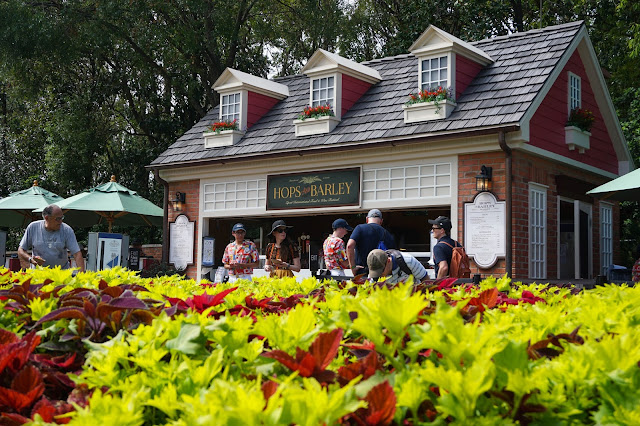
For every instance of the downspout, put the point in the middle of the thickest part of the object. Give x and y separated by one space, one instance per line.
509 199
165 219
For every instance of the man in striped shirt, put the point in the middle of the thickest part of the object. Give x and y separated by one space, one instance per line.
395 265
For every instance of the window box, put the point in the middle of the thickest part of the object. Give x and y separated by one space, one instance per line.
426 111
316 126
577 138
224 138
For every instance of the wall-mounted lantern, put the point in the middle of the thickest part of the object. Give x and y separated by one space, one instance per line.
178 202
483 180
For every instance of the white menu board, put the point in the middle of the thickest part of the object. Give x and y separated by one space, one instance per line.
181 234
485 229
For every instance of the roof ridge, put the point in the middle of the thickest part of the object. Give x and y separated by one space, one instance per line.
529 32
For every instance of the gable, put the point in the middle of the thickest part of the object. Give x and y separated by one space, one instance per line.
548 114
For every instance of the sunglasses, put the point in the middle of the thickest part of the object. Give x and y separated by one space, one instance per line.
436 227
240 231
58 219
281 230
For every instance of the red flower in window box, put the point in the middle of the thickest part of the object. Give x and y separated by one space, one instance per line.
315 112
581 118
219 126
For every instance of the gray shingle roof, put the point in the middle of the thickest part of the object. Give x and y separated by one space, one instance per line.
499 95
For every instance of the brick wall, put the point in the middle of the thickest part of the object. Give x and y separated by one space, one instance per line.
191 189
527 168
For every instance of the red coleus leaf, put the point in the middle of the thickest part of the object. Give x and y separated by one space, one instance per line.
365 367
63 361
381 405
10 419
485 300
16 354
252 303
26 387
7 337
268 389
204 301
313 363
45 409
325 348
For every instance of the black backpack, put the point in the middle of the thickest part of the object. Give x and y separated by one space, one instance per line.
397 254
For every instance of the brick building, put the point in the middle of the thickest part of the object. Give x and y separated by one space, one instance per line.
512 99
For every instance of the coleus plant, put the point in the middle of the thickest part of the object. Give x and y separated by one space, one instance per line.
32 385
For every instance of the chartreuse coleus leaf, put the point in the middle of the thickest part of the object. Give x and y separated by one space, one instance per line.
387 313
459 344
460 389
289 330
41 307
106 409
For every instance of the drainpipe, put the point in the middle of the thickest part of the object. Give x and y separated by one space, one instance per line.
509 199
165 219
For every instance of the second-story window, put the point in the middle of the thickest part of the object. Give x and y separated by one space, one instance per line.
322 91
575 92
434 73
230 107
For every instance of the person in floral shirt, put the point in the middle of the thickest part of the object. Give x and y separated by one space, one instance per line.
240 256
335 254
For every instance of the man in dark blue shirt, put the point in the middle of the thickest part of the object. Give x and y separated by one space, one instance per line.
442 252
366 237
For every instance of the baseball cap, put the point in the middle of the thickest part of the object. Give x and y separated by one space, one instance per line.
442 221
376 261
237 227
374 213
341 223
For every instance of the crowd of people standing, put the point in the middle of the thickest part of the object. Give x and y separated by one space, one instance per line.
370 251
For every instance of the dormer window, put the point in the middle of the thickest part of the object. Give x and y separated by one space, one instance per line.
230 107
434 73
575 92
322 92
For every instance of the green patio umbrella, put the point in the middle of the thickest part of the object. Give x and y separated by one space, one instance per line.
624 188
111 203
16 210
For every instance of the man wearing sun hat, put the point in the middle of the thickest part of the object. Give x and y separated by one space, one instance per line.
366 237
335 255
240 256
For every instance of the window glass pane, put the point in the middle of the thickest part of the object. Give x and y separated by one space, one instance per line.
316 84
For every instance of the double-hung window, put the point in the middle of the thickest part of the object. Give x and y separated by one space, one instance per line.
537 231
230 107
606 237
322 92
575 92
434 73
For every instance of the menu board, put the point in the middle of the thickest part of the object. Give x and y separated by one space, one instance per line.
181 237
485 229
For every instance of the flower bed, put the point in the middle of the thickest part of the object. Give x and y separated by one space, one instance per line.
275 351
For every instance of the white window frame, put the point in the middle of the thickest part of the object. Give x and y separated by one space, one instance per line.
449 71
231 100
575 91
326 99
537 231
606 237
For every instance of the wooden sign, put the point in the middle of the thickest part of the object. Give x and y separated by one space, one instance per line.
181 234
327 188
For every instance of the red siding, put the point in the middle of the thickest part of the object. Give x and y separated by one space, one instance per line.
258 106
352 89
466 70
548 122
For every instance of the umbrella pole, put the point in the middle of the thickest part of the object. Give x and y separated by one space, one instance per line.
110 221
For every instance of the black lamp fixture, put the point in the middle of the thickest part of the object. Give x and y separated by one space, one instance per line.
483 180
178 202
